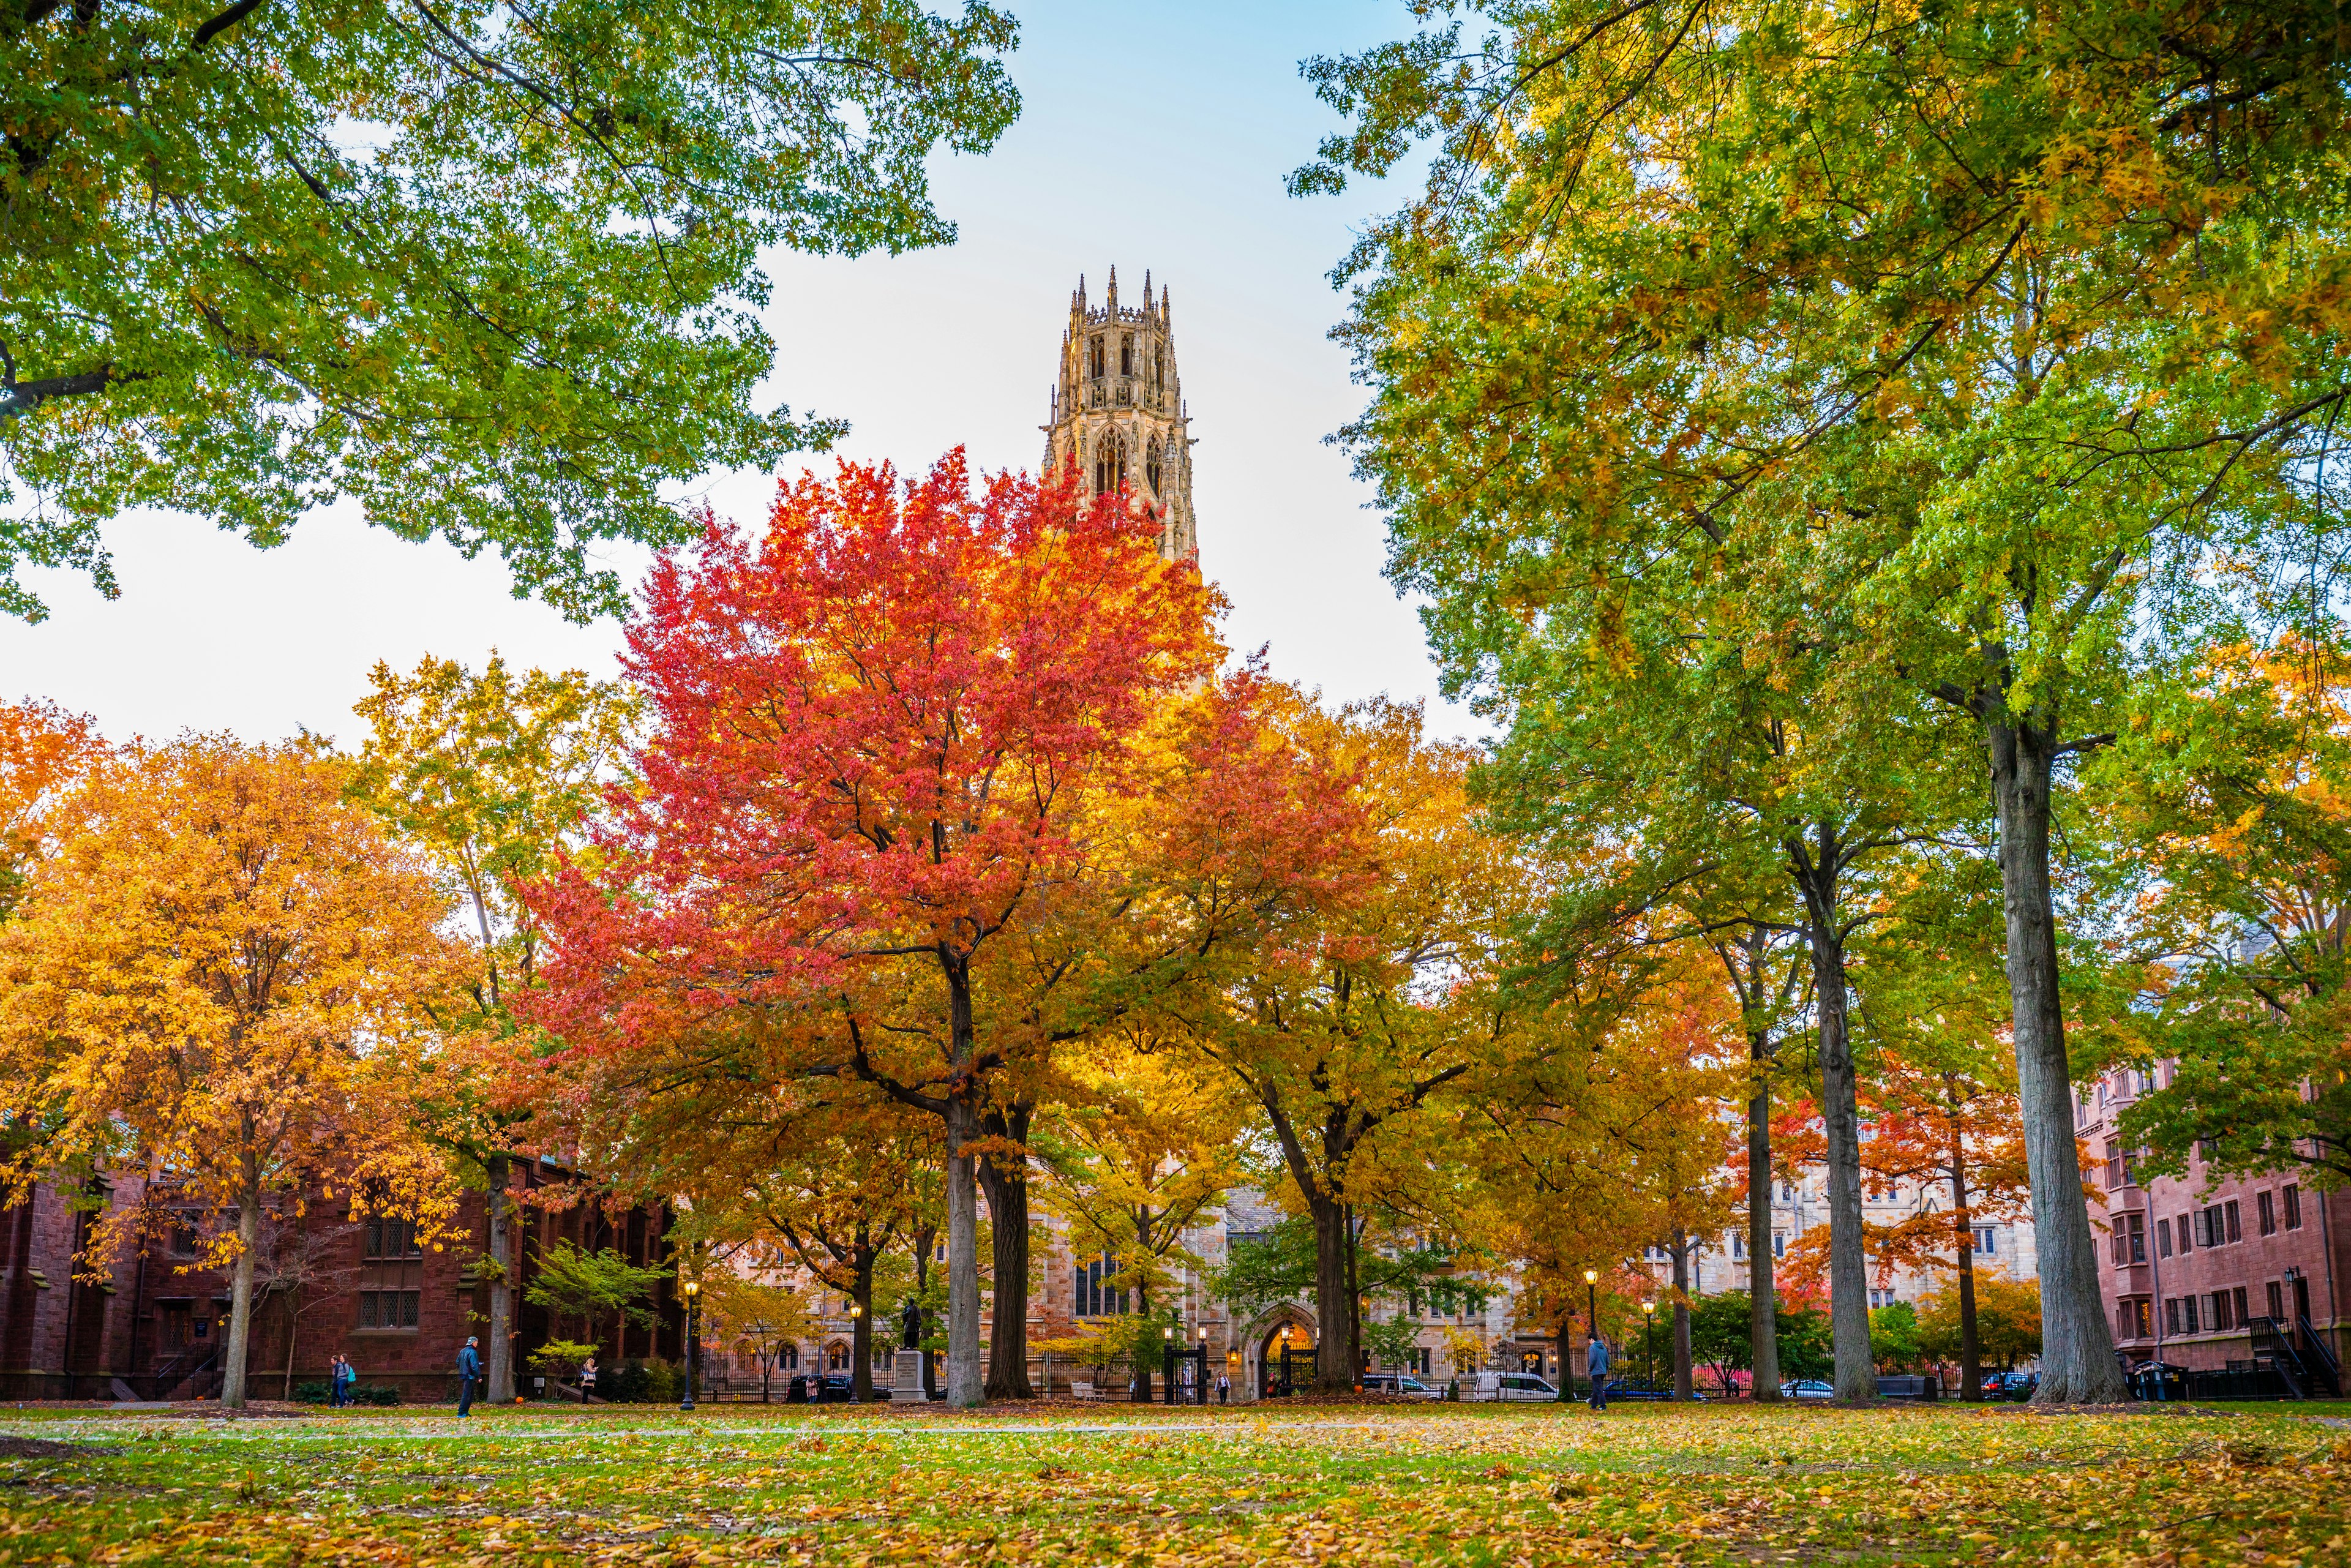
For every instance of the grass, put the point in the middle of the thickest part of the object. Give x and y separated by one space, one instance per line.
2262 1485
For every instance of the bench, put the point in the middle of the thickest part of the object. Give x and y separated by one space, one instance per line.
1084 1392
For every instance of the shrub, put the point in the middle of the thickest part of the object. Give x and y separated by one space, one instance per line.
311 1392
642 1383
375 1394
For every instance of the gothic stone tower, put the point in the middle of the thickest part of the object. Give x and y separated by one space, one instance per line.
1118 409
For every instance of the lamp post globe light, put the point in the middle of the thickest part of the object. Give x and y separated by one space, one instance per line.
1649 1342
693 1289
856 1361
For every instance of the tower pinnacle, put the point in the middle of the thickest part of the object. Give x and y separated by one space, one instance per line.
1117 409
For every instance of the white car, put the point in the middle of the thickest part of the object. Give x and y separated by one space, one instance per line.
1807 1389
1402 1382
1512 1386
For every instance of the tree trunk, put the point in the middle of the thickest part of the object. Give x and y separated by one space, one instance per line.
240 1307
1762 1324
1334 1349
1354 1303
965 1387
1006 1177
2077 1350
1683 1388
1970 1351
499 1366
860 1323
1816 878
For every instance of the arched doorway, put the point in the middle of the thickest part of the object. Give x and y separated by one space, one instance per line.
1279 1348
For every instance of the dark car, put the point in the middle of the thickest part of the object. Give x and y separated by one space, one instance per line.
831 1388
2012 1384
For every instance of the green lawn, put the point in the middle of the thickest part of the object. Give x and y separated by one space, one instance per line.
2264 1485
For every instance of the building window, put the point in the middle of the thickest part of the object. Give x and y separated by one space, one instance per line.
2114 1157
2171 1316
181 1240
2276 1294
2188 1312
1779 1244
2145 1310
2235 1232
2130 1239
2222 1319
2163 1238
1095 1300
1987 1240
2265 1210
2236 1300
1418 1360
1737 1245
1094 357
788 1358
2293 1207
392 1270
2182 1227
836 1356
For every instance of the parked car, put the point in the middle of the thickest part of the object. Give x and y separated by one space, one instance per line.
1403 1383
1510 1386
2012 1384
833 1388
1806 1388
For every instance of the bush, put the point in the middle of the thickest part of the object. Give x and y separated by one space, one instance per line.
311 1392
375 1394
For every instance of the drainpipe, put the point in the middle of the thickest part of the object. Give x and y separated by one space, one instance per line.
2326 1257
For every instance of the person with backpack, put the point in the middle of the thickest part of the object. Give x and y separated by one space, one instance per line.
347 1378
1596 1362
469 1372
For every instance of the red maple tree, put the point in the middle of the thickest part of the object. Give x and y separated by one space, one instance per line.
878 733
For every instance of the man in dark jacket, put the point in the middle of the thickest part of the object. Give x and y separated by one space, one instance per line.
469 1371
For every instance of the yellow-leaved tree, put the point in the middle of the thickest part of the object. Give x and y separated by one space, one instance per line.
215 979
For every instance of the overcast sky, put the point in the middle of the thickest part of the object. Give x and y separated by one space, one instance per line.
1154 135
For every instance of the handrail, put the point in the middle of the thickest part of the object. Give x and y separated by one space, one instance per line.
2326 1357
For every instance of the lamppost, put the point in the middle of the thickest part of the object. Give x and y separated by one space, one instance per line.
1591 1311
693 1289
1168 1359
1203 1389
1650 1343
855 1359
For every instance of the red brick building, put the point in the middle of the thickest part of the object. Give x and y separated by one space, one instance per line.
155 1326
2210 1272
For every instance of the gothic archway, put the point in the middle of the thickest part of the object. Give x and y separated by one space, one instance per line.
1263 1335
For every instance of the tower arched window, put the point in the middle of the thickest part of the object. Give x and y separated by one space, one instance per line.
1094 356
1109 462
1159 369
1126 354
1151 466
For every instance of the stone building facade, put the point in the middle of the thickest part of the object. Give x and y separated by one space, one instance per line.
1117 412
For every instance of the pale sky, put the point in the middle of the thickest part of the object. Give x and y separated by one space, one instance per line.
1152 135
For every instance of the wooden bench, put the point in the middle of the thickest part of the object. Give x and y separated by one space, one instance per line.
1084 1392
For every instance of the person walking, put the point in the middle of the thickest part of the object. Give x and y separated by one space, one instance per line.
335 1383
1595 1363
587 1380
347 1378
469 1372
1224 1389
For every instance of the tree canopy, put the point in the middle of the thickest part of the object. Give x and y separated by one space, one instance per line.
490 271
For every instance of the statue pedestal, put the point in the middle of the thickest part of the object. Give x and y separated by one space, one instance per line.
907 1376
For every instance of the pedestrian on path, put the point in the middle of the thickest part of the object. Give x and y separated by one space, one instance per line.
469 1371
1596 1362
587 1380
346 1377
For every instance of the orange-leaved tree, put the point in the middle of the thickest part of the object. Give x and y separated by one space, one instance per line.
213 979
874 730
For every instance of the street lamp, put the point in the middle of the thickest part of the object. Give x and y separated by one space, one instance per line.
1649 1342
1592 1317
693 1289
856 1360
